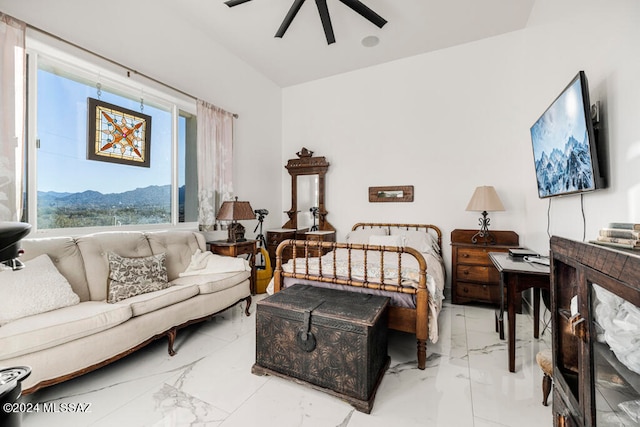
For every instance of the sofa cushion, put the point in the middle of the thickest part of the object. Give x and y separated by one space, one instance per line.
37 288
129 277
94 249
178 245
210 283
153 301
56 327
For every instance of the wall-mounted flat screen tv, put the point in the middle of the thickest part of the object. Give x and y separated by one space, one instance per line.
564 144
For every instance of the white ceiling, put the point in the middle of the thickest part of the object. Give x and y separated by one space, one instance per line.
414 27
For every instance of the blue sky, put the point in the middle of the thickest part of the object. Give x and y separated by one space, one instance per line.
62 130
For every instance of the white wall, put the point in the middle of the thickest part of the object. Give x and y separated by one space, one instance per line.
143 36
444 122
451 120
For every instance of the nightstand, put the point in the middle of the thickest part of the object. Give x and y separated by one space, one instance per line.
474 277
234 249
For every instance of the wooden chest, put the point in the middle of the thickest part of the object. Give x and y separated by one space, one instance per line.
331 340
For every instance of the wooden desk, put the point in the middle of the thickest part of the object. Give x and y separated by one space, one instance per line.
234 249
518 275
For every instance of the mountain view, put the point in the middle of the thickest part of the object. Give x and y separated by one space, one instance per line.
149 205
565 171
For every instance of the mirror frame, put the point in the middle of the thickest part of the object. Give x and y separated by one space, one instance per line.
306 164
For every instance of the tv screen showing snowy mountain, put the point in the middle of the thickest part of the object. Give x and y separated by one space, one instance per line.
562 143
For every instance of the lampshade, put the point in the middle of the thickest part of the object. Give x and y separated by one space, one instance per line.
233 210
485 199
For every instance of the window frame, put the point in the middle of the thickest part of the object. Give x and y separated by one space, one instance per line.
83 65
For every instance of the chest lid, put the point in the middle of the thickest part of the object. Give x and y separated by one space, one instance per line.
331 303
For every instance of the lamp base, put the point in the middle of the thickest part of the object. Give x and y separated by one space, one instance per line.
484 236
236 233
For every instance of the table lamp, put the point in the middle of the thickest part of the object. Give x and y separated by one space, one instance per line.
233 210
484 199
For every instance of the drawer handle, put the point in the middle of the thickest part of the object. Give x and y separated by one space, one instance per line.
466 272
465 290
465 255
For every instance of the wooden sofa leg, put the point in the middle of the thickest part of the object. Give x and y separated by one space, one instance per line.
246 310
422 354
546 388
171 335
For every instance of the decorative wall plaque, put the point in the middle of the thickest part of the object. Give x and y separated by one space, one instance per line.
402 193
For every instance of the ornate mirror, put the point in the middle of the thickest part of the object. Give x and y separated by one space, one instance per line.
307 192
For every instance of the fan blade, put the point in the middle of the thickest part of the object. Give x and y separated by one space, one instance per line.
323 10
232 3
366 13
295 7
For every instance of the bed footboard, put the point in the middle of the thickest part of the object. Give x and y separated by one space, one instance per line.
309 264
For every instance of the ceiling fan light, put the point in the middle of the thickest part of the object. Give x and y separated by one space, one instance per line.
370 41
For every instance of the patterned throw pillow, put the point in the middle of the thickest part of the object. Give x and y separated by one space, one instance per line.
129 277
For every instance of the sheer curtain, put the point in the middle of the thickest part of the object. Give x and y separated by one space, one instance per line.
215 161
12 113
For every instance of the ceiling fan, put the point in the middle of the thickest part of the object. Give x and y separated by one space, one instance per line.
323 11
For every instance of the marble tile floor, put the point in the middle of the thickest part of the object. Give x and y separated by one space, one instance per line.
209 382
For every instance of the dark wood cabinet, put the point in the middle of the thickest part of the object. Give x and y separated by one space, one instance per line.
474 277
275 237
320 236
595 300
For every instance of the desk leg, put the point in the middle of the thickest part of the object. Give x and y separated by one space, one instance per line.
536 312
511 306
500 314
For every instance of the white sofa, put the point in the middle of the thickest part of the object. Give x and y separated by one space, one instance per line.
66 342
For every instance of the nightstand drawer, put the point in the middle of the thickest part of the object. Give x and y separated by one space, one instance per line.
478 256
477 292
478 273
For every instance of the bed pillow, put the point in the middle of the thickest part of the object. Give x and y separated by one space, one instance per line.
361 236
386 240
422 241
37 288
129 277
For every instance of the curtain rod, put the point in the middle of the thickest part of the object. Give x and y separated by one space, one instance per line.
111 61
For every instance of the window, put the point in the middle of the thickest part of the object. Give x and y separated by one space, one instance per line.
72 191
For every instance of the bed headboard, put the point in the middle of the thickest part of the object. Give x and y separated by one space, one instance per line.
429 228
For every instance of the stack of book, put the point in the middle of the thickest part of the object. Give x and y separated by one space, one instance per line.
621 235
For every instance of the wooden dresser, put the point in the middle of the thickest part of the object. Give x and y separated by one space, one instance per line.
474 277
276 236
320 236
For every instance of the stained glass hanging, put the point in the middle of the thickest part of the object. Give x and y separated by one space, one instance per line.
118 134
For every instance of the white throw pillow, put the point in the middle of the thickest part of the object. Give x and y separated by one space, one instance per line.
37 288
386 240
361 236
419 240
